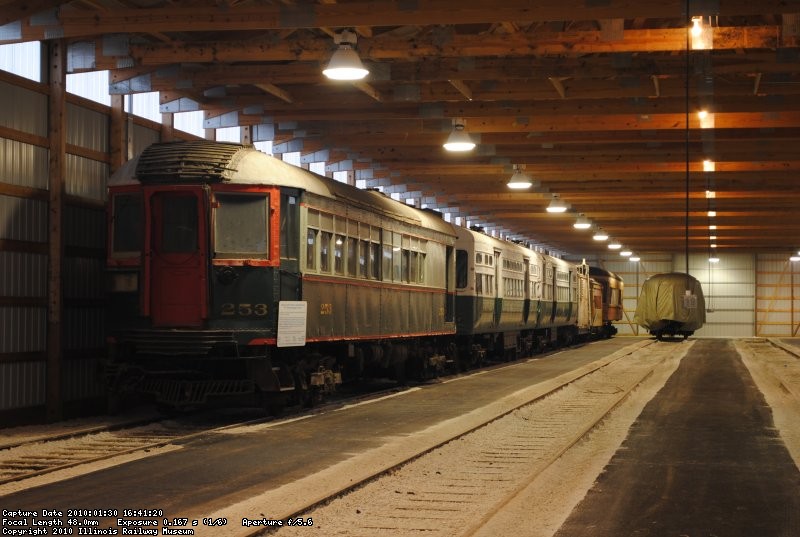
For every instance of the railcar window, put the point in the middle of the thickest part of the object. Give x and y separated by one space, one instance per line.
462 268
311 249
363 259
374 260
352 257
478 259
338 255
289 230
411 259
325 251
397 263
127 223
387 262
479 284
423 258
240 225
179 233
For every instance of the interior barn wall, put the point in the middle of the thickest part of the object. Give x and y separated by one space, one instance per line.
24 247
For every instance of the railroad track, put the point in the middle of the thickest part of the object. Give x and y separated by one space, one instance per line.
430 494
780 360
61 450
25 460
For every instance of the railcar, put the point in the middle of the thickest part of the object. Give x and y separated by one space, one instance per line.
225 263
232 273
671 304
610 299
512 300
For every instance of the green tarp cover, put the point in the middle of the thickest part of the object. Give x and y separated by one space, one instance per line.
662 299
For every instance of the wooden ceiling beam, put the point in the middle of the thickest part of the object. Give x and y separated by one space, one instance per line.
76 23
567 45
481 69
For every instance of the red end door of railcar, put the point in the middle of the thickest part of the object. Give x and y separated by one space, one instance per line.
178 253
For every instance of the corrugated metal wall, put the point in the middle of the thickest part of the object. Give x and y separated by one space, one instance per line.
23 256
24 249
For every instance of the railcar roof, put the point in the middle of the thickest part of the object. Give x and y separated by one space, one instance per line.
201 162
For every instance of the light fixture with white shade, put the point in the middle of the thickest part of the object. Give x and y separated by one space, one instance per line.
459 139
600 235
713 259
634 259
582 223
614 245
520 180
795 258
626 253
345 63
556 205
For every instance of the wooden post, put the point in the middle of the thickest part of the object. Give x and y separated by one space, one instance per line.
118 139
57 109
246 136
167 127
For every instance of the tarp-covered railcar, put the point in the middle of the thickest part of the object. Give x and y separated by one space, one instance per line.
671 304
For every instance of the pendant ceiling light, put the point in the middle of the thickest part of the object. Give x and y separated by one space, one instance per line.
556 205
582 223
600 235
459 139
345 63
520 180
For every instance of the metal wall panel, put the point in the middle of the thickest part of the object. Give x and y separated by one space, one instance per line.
84 328
83 379
85 227
87 128
83 277
729 290
86 178
142 137
29 110
23 274
23 164
22 384
23 329
23 219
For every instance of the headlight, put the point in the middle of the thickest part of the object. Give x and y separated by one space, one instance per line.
124 282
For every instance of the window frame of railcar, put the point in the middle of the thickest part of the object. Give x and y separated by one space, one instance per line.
135 221
562 286
549 283
289 227
462 268
235 233
272 259
312 239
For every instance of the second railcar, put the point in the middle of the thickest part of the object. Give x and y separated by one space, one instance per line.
612 288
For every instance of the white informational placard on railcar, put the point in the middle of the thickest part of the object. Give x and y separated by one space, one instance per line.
292 323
